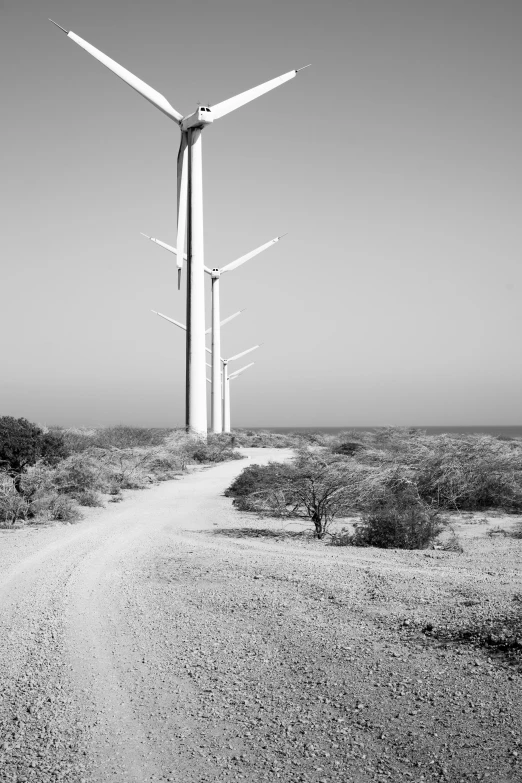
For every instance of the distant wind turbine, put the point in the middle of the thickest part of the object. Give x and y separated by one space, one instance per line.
215 274
190 212
226 386
226 395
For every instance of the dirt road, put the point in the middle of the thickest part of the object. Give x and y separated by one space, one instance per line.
167 638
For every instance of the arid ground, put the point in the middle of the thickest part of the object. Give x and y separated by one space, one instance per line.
169 637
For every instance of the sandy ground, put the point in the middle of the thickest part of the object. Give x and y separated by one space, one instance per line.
169 637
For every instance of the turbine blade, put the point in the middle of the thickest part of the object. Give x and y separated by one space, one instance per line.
206 269
238 372
230 318
182 196
153 96
225 321
243 353
163 244
220 109
172 321
248 256
208 380
207 349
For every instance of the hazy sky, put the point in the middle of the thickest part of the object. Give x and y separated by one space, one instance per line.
393 162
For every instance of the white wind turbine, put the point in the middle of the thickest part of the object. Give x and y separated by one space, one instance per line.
226 395
226 378
215 274
190 212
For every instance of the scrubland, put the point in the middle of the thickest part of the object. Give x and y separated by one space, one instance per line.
48 474
399 487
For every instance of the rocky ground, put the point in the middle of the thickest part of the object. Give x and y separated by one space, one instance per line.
171 638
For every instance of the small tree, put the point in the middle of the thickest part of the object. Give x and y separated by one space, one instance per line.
23 444
320 487
315 486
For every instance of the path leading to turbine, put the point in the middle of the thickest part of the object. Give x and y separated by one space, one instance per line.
75 648
168 638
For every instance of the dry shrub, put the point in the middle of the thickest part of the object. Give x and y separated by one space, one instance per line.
55 507
264 439
13 506
470 473
89 498
77 439
164 464
398 521
217 448
124 437
81 473
453 544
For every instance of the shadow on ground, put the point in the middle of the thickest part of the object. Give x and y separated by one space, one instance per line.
263 532
500 636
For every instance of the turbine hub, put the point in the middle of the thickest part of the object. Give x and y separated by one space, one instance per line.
215 275
201 117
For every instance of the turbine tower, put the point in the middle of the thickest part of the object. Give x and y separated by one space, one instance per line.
190 214
215 274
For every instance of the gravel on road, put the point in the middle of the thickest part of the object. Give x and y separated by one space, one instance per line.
171 638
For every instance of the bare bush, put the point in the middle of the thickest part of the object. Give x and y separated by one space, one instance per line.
125 437
471 473
217 448
13 506
398 519
55 507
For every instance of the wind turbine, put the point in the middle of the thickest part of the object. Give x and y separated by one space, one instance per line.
215 274
226 385
226 395
190 213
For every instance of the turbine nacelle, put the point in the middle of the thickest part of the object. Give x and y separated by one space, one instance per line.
215 274
201 117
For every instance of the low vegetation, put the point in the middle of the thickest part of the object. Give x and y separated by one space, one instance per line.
48 474
400 483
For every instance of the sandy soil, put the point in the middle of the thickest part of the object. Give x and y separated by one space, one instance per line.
169 637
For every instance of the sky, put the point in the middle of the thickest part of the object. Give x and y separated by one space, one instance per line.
393 163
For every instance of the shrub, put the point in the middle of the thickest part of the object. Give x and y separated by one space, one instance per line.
217 448
76 439
471 473
63 509
254 481
23 444
13 506
348 448
398 519
453 543
81 473
124 437
89 498
164 464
